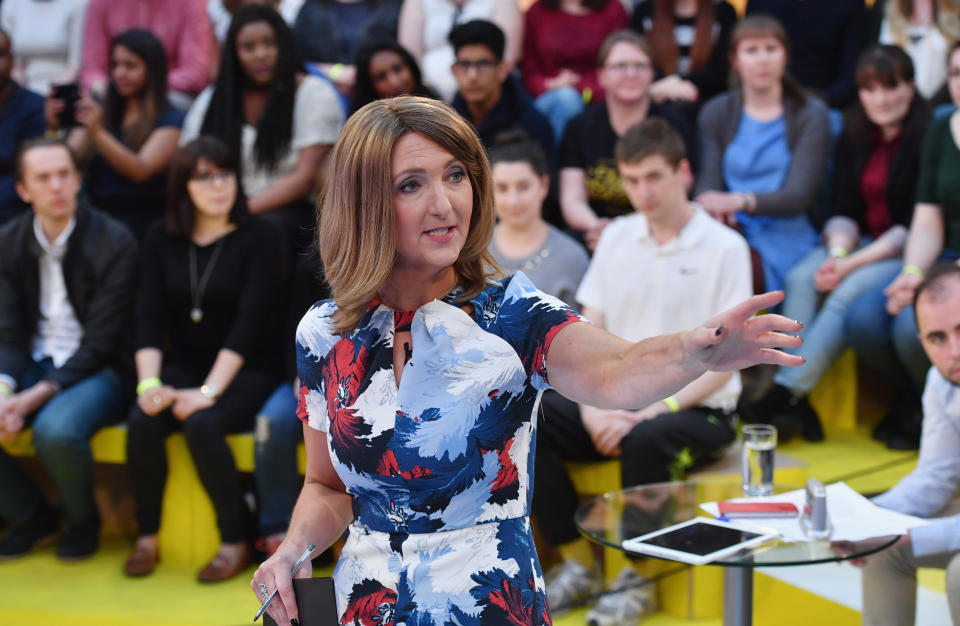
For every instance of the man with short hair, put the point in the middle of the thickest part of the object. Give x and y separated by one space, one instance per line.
653 272
67 286
890 577
487 96
21 117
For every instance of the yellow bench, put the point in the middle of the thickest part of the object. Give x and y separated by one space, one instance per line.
188 529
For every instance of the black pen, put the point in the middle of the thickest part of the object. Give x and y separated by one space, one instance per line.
293 570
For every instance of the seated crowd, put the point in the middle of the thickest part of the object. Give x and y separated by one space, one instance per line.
157 246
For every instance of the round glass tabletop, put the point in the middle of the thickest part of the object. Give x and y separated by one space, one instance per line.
615 516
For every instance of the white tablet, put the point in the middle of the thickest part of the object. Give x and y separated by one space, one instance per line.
698 541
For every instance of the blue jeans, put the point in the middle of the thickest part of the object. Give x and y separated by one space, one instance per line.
277 433
559 106
62 429
823 335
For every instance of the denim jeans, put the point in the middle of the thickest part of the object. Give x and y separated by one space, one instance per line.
62 429
823 335
277 433
559 106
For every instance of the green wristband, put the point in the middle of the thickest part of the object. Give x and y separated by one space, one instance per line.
912 270
147 384
672 404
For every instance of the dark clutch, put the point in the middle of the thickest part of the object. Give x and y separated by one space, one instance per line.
316 603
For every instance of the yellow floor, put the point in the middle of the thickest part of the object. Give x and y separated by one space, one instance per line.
39 590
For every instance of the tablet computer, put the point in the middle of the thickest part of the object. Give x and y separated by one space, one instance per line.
698 541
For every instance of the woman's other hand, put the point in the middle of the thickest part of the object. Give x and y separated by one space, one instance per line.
189 401
157 399
274 573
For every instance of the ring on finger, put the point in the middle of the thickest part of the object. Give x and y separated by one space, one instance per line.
263 591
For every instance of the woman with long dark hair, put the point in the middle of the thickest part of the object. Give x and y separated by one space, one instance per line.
130 139
280 120
874 192
764 145
206 355
386 69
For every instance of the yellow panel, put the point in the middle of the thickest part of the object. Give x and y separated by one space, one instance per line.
776 602
835 396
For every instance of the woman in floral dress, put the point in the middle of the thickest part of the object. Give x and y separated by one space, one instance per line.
420 381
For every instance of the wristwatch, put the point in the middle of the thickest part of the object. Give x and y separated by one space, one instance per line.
209 391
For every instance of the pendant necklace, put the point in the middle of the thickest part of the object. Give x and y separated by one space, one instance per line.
196 290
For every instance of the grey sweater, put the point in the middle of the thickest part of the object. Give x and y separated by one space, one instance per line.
808 135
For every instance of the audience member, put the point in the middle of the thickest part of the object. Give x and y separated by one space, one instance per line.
182 26
48 40
890 577
67 286
425 26
21 117
561 39
590 189
330 32
280 120
690 41
692 267
385 70
206 356
487 96
221 13
130 140
826 37
925 29
764 145
880 325
278 430
874 190
522 240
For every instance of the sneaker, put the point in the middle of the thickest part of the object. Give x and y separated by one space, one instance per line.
39 530
789 412
569 584
630 598
79 542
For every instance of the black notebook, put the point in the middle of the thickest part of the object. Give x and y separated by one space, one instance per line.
316 603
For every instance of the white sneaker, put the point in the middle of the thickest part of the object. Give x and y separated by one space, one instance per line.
630 598
568 584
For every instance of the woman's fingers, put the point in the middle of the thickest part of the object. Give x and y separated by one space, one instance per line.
772 322
773 356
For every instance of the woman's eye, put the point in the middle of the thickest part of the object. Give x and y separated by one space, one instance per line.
457 175
408 186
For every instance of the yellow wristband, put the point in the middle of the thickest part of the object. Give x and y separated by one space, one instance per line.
6 390
586 95
838 252
147 384
912 270
672 404
335 70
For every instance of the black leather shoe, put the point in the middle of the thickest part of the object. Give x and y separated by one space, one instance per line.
797 414
79 542
40 529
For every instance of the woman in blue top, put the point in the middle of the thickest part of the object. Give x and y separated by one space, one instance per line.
130 139
421 377
764 145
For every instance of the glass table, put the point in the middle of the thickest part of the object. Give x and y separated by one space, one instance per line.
615 516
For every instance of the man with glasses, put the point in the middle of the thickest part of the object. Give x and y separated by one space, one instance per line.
67 285
487 96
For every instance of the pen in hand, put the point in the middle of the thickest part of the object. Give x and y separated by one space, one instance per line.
293 570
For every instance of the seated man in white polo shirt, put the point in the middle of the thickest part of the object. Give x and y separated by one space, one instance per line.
890 577
656 271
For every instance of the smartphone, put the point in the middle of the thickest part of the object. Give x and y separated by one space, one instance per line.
70 94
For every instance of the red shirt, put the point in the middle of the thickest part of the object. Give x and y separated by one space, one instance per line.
873 186
554 40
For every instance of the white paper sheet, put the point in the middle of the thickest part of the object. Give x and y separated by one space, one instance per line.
854 518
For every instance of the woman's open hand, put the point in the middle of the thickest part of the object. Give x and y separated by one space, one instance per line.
738 338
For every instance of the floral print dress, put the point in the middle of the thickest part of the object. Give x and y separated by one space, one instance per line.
440 468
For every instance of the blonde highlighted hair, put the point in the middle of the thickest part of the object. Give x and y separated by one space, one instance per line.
356 225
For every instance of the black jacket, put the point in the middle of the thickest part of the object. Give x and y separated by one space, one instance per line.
850 161
318 36
100 272
514 109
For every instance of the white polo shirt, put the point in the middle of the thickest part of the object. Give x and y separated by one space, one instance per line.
645 289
